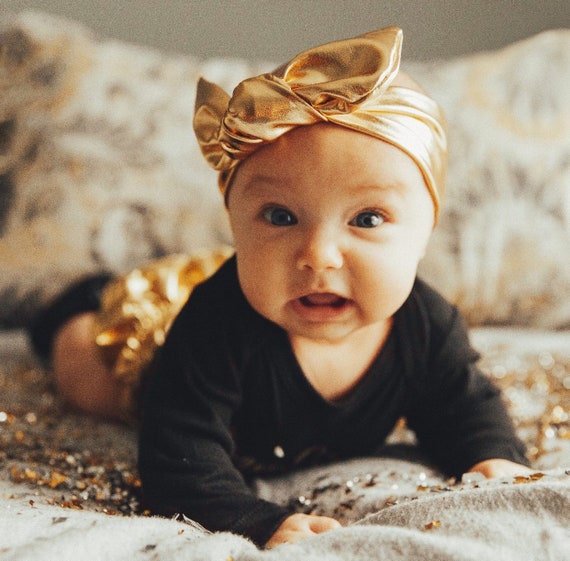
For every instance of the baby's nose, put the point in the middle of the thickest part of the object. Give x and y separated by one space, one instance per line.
319 251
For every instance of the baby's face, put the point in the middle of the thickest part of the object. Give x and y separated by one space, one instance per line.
329 226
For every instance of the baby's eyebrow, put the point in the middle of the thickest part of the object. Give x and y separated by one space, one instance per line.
259 184
263 185
395 187
262 178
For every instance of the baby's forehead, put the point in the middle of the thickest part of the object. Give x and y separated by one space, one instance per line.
326 154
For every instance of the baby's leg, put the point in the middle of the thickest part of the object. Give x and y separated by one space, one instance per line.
81 375
62 335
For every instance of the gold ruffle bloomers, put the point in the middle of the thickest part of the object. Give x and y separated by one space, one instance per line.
348 83
138 309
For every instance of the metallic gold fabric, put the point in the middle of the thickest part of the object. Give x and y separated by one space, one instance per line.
138 309
345 82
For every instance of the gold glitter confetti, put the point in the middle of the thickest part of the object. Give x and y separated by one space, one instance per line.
521 479
528 478
56 479
44 445
535 388
536 476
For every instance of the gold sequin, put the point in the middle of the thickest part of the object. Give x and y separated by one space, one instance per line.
138 309
536 393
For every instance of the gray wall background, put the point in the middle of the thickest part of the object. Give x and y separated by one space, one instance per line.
276 30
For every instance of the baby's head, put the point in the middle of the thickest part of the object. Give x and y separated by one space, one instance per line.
354 83
333 171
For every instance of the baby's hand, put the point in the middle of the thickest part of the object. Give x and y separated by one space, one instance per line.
500 468
300 526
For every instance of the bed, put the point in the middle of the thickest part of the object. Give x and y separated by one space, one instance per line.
99 170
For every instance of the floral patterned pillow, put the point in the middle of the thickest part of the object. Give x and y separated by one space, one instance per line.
100 170
501 250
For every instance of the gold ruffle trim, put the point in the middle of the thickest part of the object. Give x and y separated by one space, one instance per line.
138 309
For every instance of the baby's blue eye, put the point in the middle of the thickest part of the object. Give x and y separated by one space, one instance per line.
279 217
367 219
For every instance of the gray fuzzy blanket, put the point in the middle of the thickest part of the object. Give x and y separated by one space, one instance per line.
69 487
503 520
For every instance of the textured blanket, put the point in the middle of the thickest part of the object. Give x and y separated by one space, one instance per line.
415 516
499 521
69 487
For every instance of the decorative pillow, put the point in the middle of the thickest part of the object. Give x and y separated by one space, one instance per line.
99 168
502 249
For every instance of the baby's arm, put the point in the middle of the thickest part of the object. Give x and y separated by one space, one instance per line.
470 429
300 526
458 414
186 445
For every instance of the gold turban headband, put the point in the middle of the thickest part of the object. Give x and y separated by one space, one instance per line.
347 83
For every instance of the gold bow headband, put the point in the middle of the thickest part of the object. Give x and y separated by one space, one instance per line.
345 82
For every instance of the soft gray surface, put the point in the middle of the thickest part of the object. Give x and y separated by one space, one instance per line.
391 508
499 521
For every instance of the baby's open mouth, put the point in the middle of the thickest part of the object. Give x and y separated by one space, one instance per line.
323 299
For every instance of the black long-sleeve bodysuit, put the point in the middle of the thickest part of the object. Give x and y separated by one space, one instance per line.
227 385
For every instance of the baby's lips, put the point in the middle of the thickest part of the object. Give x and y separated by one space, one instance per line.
323 299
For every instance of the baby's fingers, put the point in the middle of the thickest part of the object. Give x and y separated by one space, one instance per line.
500 468
300 526
320 524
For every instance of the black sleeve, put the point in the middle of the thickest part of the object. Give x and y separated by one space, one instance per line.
185 445
458 414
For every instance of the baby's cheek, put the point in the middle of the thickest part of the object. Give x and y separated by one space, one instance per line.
255 287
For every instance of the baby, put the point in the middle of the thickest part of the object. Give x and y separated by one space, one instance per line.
317 336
